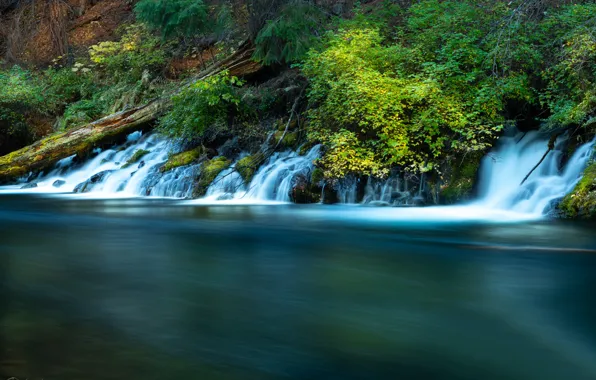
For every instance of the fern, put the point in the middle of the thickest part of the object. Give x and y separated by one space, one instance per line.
287 38
174 18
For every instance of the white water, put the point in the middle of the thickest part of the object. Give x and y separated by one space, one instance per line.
501 174
503 171
123 181
272 182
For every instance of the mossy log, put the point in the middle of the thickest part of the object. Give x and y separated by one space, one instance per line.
81 140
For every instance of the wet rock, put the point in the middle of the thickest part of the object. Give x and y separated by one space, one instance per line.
136 157
304 191
59 183
29 186
141 164
231 148
248 166
88 185
209 171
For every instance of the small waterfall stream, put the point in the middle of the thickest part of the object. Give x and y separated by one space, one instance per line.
108 174
503 171
272 182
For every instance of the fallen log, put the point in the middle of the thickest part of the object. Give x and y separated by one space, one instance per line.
80 140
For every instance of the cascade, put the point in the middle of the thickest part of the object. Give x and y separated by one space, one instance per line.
499 187
107 173
503 170
272 182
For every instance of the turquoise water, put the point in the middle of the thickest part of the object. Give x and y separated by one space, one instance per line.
154 289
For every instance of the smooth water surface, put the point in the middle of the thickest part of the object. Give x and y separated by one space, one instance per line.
161 289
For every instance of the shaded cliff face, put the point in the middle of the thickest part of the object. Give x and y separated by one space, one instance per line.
36 32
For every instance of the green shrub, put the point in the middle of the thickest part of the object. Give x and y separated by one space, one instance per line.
570 38
19 88
413 101
126 60
204 104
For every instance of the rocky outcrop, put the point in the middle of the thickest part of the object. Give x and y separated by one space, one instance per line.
581 202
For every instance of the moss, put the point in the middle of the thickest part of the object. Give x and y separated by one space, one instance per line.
209 171
581 202
282 124
182 159
247 167
461 178
317 176
288 141
136 157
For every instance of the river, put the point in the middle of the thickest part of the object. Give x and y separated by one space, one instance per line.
164 289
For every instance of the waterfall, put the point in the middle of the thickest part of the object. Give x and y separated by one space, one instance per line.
109 171
393 191
133 169
347 190
272 182
112 172
503 170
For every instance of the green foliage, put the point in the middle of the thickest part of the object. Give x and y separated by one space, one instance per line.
174 17
204 104
407 103
21 93
67 85
20 88
571 78
138 53
288 37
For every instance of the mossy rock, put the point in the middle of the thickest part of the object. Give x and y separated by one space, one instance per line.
182 159
248 166
209 171
317 176
288 141
136 157
461 179
581 202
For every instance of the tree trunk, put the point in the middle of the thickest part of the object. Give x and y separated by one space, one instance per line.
80 141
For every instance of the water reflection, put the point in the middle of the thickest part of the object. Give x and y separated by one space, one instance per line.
148 289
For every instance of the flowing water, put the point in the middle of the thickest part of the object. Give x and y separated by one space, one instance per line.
150 288
504 170
117 286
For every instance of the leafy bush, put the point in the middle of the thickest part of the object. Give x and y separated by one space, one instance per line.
136 53
570 38
19 88
204 104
